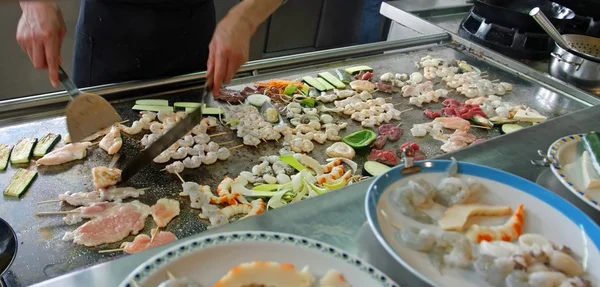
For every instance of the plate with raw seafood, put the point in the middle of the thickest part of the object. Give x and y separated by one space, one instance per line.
462 224
573 165
255 258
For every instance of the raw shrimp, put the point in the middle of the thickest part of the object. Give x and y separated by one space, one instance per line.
163 157
200 128
409 197
251 140
175 167
181 153
193 162
493 270
136 128
186 141
342 94
223 153
417 239
210 158
452 249
452 190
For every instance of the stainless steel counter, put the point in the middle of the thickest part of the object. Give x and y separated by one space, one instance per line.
337 218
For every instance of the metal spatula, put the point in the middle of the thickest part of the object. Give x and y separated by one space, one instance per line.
86 113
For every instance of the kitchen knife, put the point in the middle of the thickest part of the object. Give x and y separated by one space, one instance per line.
177 132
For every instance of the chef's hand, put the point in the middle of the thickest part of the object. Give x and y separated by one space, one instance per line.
40 33
230 43
228 50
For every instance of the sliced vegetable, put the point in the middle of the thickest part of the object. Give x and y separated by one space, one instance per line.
257 99
305 90
510 128
592 144
290 89
360 138
358 69
188 105
375 168
4 155
314 83
343 76
22 151
332 80
291 161
308 102
151 108
152 102
207 111
327 85
479 120
20 182
339 183
45 144
267 187
501 120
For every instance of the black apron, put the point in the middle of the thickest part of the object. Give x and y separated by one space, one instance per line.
118 41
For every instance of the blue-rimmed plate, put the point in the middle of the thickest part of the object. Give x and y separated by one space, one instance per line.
207 259
545 213
567 152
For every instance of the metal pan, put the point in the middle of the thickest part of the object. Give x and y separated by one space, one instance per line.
8 246
515 13
575 69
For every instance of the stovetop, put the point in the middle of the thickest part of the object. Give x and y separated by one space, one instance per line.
516 43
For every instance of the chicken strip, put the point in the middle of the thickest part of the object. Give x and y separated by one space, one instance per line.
112 141
144 242
70 152
105 177
164 210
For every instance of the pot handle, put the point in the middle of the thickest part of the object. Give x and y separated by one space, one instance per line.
560 59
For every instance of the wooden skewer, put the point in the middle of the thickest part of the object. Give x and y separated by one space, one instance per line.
111 250
180 178
41 213
153 233
409 109
114 160
170 275
224 143
236 147
49 201
218 134
122 122
495 81
388 98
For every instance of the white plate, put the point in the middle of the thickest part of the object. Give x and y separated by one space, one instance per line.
545 213
209 258
567 150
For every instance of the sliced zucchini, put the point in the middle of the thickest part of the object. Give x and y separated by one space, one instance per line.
510 128
188 105
375 168
332 80
4 155
314 83
22 151
479 120
343 76
45 144
591 142
207 111
151 108
327 85
358 69
305 90
501 120
290 89
20 182
152 102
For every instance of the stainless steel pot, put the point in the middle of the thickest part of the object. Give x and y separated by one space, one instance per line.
576 70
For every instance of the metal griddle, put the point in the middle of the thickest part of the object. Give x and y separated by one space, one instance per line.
42 253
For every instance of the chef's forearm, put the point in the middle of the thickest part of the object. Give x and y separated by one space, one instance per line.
254 12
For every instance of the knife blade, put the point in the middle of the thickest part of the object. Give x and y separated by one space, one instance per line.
145 157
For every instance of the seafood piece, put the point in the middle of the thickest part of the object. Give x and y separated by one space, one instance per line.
136 128
112 141
327 98
200 128
499 248
455 217
362 85
340 149
70 152
105 177
509 231
143 242
266 274
209 121
452 190
95 210
517 278
494 270
457 140
164 210
223 153
565 263
129 219
546 279
179 282
417 239
333 278
175 167
415 194
193 162
452 249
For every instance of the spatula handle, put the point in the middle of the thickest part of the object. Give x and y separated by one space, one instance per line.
69 86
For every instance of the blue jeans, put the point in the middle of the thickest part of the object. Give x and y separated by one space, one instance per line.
371 22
